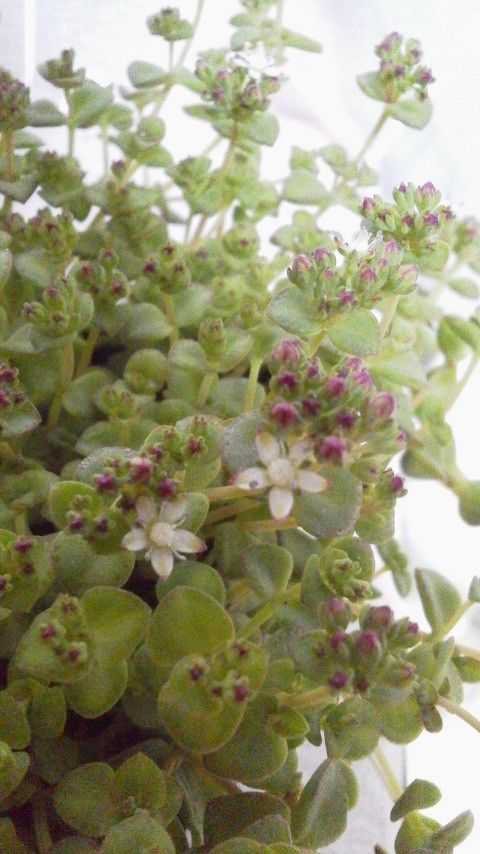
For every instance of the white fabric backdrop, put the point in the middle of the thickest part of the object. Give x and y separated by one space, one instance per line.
321 103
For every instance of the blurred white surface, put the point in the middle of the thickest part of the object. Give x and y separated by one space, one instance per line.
321 103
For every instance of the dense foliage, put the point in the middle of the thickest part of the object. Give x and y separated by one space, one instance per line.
196 443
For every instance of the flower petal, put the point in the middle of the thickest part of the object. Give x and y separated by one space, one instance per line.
188 543
281 472
146 510
252 478
162 561
161 534
135 540
268 447
173 511
280 502
310 481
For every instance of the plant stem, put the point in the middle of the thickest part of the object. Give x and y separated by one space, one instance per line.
170 312
241 506
21 523
463 382
457 710
371 138
269 525
204 389
180 62
391 782
308 700
267 611
226 493
56 404
388 314
70 127
87 352
255 366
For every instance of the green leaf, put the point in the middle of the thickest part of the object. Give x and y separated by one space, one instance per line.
145 74
14 727
83 798
402 368
357 333
139 832
419 795
303 188
140 779
334 512
468 668
187 621
299 41
238 442
63 494
88 102
453 833
294 311
320 816
45 114
465 287
191 573
21 189
262 128
412 112
440 599
230 815
146 325
117 618
48 713
370 86
267 569
99 690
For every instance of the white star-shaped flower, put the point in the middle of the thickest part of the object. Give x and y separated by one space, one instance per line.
161 535
281 473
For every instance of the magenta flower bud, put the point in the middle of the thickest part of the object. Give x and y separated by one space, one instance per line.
397 484
4 398
312 371
18 397
333 449
380 617
338 640
401 437
426 77
7 374
311 406
102 525
431 219
222 74
288 379
140 469
300 265
335 386
338 680
166 488
106 482
391 246
382 406
195 446
407 220
23 544
48 632
427 189
240 692
369 274
320 254
347 298
76 523
413 628
287 351
150 267
347 419
447 213
285 414
196 672
218 95
361 684
354 363
368 643
335 606
368 204
402 188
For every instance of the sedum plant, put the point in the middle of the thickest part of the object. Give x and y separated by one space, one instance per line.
201 440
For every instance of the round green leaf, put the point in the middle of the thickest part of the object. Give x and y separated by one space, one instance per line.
334 512
83 798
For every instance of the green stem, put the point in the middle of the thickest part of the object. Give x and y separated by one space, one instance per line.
463 382
391 782
267 611
234 509
70 127
40 826
227 493
388 314
56 404
205 387
170 312
21 523
87 352
457 710
255 366
317 697
371 137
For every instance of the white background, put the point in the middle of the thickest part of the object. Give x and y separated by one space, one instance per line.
321 103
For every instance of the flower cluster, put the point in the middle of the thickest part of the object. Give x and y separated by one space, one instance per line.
400 68
14 102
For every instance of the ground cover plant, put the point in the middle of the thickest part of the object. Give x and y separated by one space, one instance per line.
202 441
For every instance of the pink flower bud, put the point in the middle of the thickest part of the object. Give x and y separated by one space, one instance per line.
23 545
140 469
431 219
287 351
368 204
347 419
368 274
311 406
335 386
301 265
427 189
397 484
320 254
338 680
333 449
382 406
380 617
407 220
347 298
391 246
240 692
368 643
106 482
166 488
284 414
288 379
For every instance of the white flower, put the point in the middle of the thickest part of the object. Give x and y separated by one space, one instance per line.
161 535
281 473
